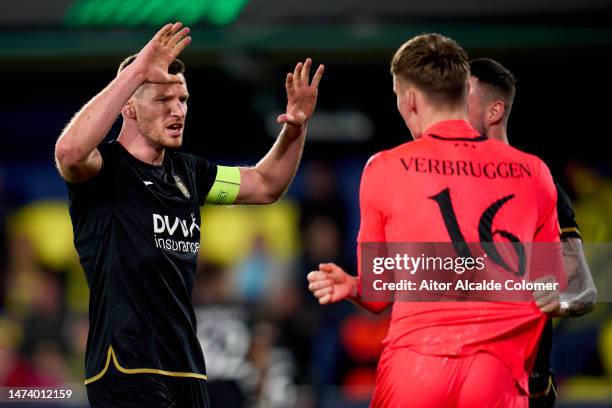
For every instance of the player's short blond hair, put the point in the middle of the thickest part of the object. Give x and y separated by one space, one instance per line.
436 65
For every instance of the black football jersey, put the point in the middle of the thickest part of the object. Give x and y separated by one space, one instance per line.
137 232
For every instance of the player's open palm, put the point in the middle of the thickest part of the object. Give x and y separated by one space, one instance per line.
301 94
153 60
330 283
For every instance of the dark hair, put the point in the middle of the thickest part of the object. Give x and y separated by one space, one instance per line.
435 64
176 67
498 78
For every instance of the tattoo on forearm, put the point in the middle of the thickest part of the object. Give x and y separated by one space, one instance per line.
580 294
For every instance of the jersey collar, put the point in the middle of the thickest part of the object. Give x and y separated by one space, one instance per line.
454 130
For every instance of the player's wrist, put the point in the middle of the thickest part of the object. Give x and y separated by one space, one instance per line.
134 74
296 128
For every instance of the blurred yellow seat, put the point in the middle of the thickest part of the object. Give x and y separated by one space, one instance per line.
228 233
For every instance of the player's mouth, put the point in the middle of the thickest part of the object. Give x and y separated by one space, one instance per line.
175 129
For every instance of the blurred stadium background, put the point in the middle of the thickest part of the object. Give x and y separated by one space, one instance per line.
267 343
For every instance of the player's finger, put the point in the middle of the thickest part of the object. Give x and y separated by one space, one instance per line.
315 276
296 74
319 284
323 292
317 76
173 30
180 46
325 299
328 267
305 74
178 36
162 32
545 294
547 298
289 84
546 301
550 308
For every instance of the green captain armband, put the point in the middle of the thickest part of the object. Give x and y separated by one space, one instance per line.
226 186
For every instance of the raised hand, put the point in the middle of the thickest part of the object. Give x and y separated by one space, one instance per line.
155 57
301 94
331 284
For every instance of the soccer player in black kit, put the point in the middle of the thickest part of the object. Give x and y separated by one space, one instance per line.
134 206
492 90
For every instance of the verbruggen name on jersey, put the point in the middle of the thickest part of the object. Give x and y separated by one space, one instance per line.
491 170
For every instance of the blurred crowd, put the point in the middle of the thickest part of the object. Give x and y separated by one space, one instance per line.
266 340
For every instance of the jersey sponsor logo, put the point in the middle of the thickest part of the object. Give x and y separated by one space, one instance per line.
491 170
169 227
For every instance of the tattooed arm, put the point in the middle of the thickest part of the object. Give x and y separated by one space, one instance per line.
580 294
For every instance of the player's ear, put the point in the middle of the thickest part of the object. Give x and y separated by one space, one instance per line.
495 112
128 110
411 98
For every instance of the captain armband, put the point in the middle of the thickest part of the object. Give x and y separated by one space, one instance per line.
226 186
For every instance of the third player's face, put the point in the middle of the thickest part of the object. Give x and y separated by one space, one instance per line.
160 113
476 106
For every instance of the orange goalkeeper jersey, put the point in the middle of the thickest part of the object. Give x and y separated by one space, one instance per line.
453 185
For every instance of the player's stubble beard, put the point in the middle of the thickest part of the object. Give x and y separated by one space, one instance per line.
155 135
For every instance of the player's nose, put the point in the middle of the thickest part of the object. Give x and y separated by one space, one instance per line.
178 109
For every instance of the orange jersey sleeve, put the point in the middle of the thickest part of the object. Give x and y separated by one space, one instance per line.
374 212
373 203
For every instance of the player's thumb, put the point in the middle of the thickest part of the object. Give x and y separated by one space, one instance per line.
174 79
284 118
296 120
165 79
328 267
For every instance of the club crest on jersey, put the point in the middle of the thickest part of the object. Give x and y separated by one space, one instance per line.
181 186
